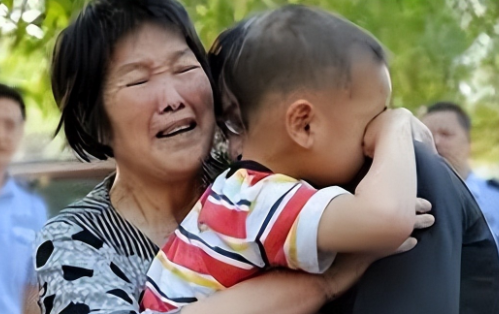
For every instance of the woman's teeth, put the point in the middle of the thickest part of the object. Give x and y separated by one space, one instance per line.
177 130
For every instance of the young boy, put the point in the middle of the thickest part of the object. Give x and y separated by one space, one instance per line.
312 90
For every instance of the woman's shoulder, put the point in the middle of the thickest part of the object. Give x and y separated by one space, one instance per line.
77 217
91 207
94 221
88 257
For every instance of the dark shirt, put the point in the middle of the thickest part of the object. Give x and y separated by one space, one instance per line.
453 269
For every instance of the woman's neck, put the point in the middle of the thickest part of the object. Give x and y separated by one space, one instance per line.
155 206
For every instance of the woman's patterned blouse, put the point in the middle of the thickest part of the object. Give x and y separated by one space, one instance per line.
91 260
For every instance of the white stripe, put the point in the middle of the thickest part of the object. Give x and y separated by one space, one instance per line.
110 231
278 212
175 287
227 205
95 202
163 299
139 243
308 256
120 226
212 253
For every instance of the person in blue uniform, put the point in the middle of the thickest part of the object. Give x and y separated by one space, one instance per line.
22 214
450 126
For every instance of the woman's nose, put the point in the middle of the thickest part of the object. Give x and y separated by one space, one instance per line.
173 107
170 100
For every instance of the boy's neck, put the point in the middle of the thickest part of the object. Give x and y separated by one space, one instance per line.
272 157
266 140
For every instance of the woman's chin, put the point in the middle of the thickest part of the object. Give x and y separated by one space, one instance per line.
186 163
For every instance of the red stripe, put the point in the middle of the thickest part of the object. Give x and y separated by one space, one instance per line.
197 260
152 302
184 254
256 176
274 243
225 221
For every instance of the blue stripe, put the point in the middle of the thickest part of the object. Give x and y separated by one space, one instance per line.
179 300
217 249
221 197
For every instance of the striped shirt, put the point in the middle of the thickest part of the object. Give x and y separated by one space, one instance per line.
89 259
249 220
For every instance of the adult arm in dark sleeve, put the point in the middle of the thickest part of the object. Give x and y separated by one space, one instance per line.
426 279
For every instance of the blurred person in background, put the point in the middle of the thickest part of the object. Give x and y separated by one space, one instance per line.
22 214
450 126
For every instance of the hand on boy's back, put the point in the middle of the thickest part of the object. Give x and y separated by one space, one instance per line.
358 262
423 220
389 121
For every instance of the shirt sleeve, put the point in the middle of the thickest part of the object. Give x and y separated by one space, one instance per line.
40 212
40 217
291 227
79 273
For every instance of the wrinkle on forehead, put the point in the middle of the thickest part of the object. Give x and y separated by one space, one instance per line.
142 47
141 63
140 50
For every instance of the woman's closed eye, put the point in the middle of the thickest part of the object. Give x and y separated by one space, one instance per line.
188 68
137 82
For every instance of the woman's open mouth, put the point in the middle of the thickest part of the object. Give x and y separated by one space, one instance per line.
176 129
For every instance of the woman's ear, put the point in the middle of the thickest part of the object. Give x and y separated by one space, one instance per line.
298 122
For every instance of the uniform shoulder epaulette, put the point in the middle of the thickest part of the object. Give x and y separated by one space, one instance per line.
493 183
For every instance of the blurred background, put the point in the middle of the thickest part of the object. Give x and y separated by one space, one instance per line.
439 50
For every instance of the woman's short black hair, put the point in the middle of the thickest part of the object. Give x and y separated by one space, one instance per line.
81 60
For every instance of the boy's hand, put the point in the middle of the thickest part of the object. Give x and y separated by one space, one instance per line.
392 120
348 267
423 221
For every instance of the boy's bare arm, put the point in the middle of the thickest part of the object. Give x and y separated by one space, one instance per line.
381 215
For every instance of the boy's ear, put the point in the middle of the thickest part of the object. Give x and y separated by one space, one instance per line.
298 119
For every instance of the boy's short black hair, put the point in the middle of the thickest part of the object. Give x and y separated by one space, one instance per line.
13 94
290 48
462 116
81 60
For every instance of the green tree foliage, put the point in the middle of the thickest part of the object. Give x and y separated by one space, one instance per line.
439 49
